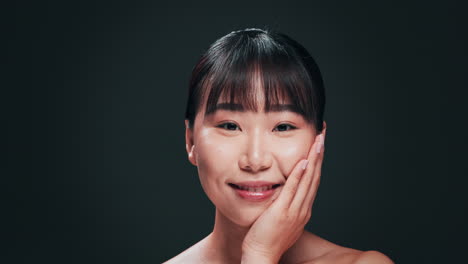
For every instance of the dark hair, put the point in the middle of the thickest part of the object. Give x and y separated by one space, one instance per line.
232 64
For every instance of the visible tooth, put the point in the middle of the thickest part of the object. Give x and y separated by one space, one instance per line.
256 189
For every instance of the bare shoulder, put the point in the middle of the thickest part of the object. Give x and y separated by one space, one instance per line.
371 257
344 255
329 252
183 257
190 255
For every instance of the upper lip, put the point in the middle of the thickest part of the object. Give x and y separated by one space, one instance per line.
256 183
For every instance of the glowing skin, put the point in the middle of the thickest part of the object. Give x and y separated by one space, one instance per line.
230 146
255 147
247 146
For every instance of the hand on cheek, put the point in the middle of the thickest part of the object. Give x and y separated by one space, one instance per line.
282 223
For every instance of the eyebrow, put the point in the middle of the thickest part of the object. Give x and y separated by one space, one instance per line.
240 108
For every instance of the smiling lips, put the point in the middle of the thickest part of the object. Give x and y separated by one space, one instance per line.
255 191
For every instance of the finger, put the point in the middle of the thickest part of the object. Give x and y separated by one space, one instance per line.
313 149
290 187
292 183
305 184
308 202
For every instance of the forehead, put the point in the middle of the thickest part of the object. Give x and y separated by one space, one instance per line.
280 104
256 102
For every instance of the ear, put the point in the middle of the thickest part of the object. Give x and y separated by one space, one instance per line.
189 146
324 130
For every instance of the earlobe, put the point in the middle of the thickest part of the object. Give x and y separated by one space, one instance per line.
192 156
189 146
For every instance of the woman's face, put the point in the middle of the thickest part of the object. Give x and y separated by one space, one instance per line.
234 146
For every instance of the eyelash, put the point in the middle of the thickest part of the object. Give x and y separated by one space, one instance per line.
223 125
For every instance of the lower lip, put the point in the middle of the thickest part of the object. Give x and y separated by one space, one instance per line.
254 196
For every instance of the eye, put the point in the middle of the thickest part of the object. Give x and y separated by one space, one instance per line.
228 126
233 127
284 127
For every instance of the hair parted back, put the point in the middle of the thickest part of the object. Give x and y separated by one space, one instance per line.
234 64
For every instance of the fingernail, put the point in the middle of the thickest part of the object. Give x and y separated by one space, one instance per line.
319 145
304 164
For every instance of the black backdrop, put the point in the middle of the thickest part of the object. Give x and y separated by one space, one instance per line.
93 97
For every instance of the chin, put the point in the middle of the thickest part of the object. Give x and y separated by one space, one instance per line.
245 217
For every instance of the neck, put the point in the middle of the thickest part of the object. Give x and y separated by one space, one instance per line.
225 242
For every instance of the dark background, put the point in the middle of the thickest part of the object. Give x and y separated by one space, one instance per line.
93 100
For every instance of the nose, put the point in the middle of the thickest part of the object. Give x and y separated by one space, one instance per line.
256 155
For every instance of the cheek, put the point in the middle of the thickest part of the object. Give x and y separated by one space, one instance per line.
215 155
216 162
290 152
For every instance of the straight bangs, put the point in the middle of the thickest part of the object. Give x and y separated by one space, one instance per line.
236 66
